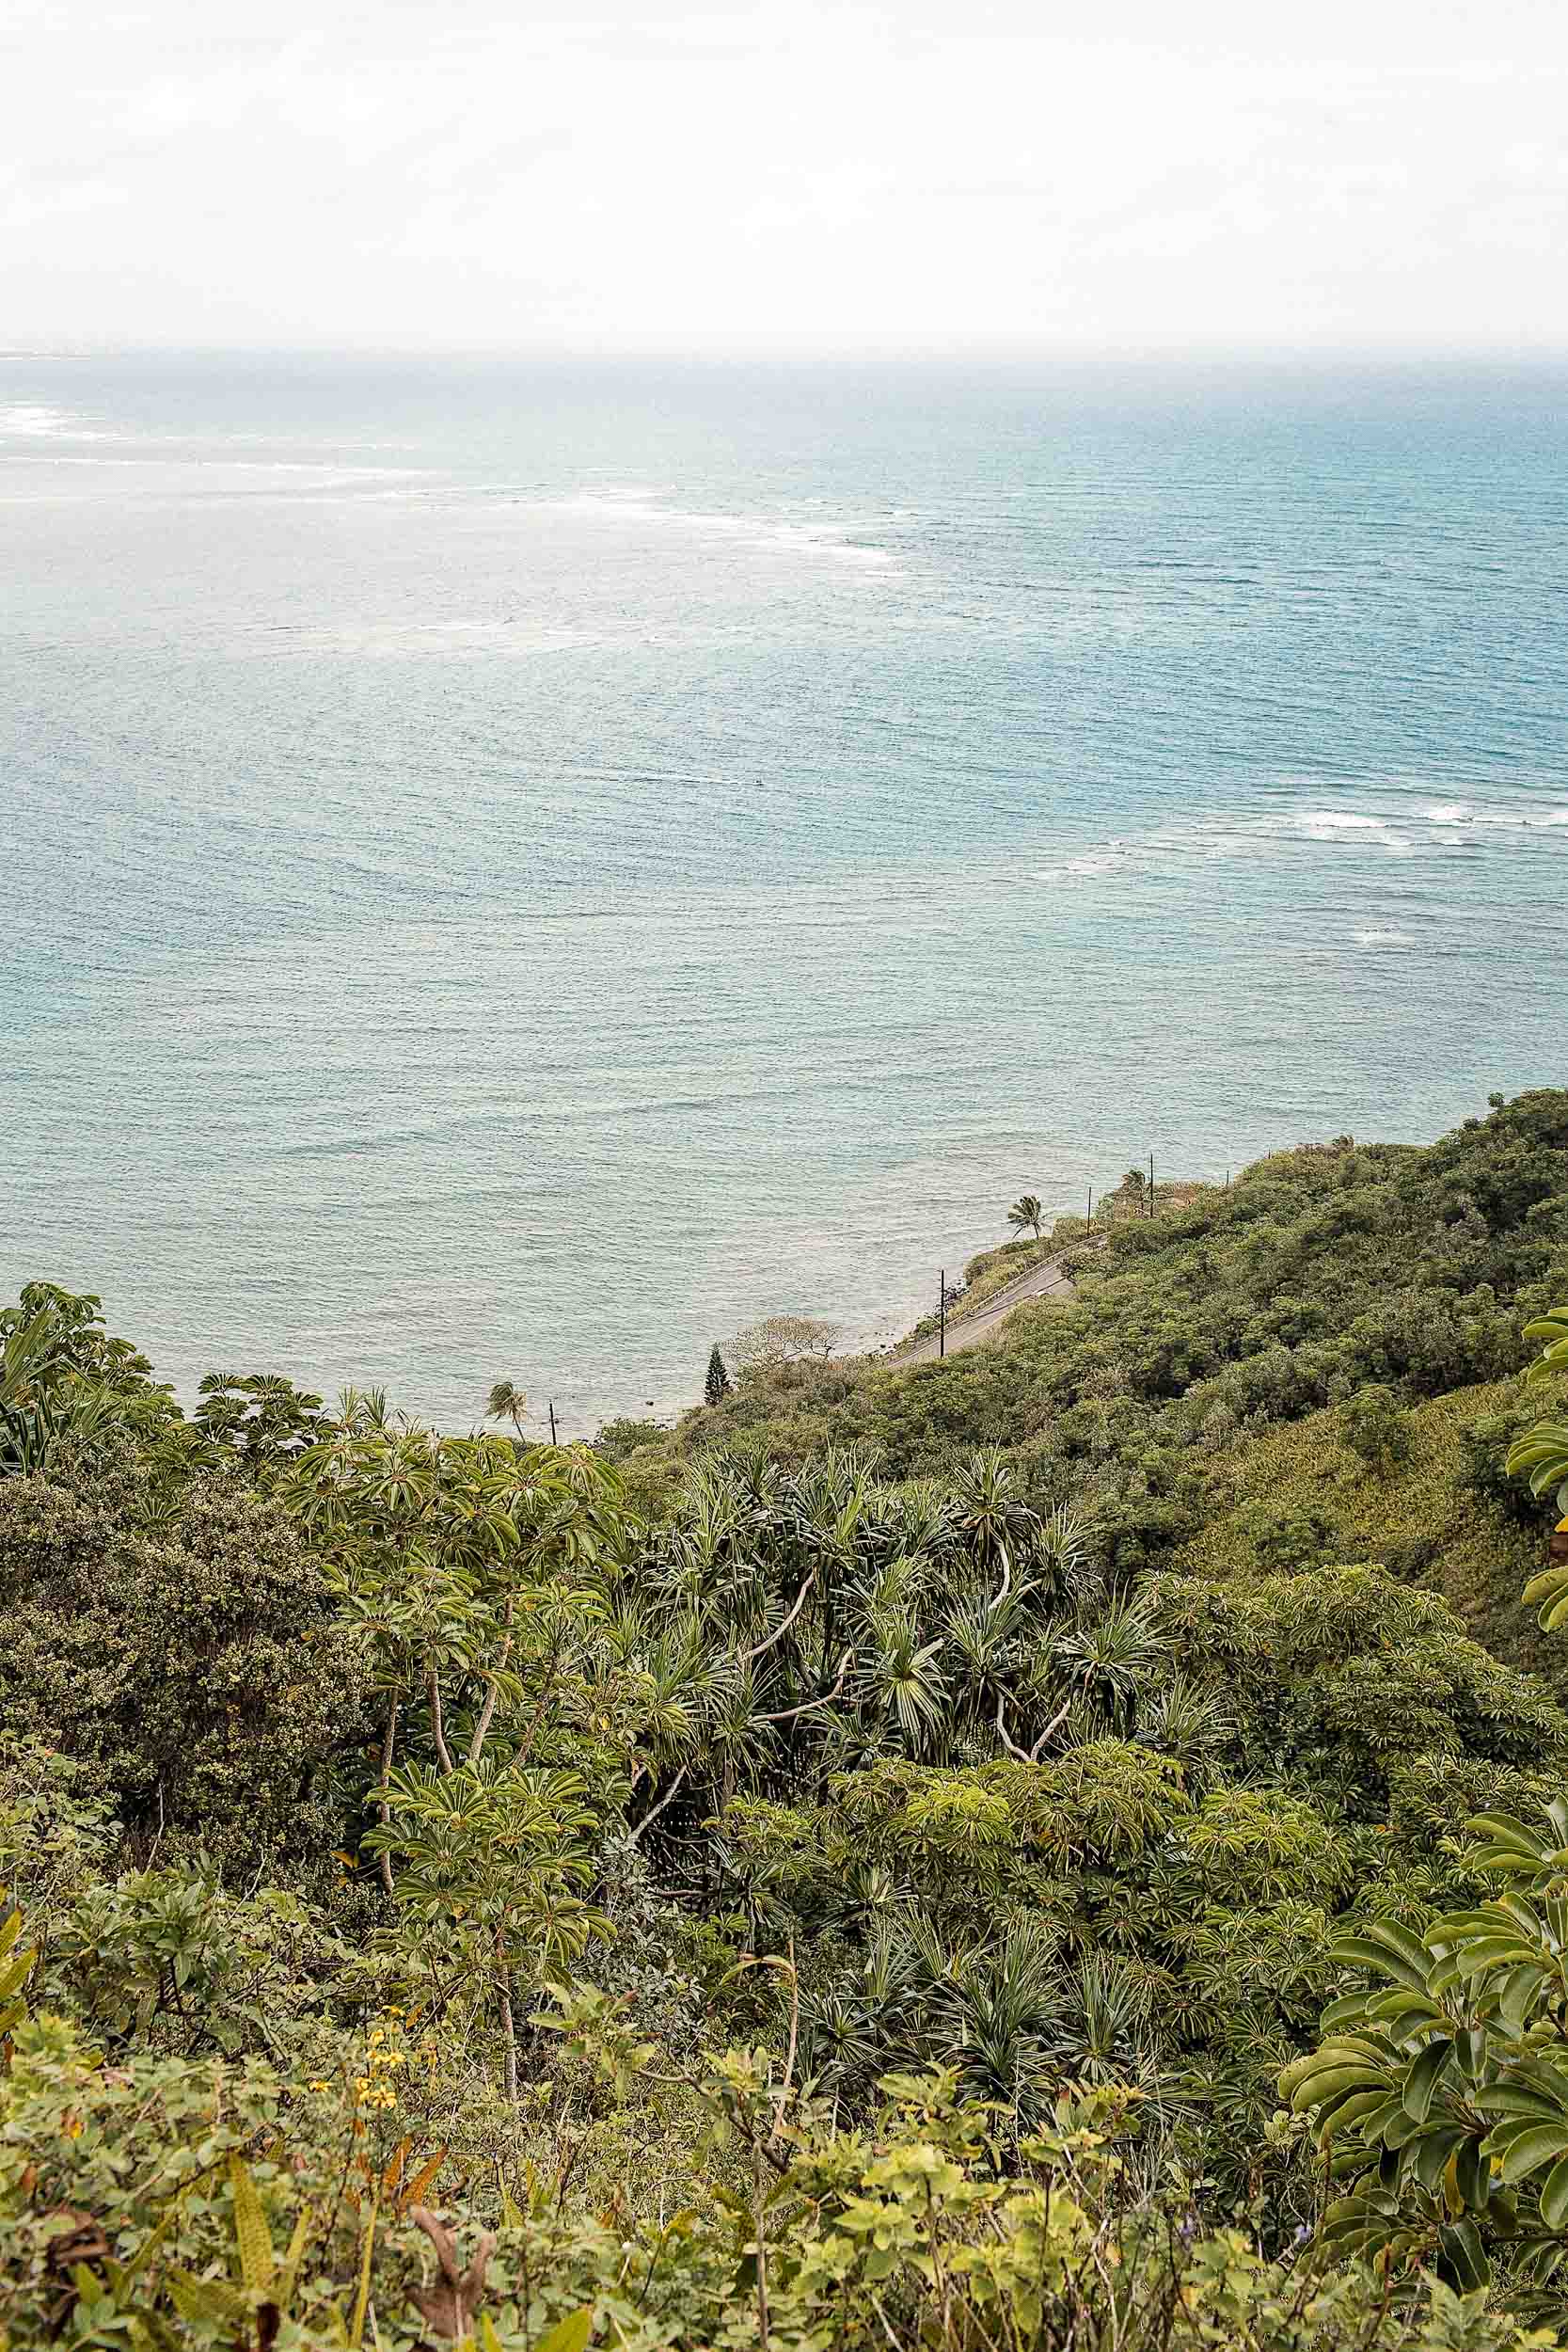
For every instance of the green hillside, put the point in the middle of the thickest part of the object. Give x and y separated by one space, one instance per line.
1428 1510
1046 1848
1318 1273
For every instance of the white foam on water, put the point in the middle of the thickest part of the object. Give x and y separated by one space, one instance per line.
646 507
1211 837
1385 939
1328 824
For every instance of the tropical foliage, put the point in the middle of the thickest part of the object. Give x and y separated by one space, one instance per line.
1042 1849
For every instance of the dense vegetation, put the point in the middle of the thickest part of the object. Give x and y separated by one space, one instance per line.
1065 1845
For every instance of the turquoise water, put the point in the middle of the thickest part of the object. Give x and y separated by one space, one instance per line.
522 870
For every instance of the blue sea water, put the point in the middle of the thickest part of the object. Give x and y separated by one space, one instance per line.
522 869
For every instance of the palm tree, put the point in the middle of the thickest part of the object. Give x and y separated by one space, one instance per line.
1026 1215
506 1401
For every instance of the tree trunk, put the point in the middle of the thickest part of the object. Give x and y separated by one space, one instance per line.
433 1690
387 1739
510 2053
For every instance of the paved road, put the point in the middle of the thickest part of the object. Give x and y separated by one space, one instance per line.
1042 1281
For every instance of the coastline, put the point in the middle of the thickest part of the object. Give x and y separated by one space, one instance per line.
988 1292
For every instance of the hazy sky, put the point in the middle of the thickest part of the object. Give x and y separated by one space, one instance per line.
643 173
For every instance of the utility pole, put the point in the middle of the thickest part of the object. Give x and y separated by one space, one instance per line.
552 1420
1152 1183
1088 1221
941 1311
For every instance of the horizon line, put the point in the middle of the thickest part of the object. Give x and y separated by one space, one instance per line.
972 352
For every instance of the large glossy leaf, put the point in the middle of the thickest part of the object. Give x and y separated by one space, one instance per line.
1527 2146
1423 2077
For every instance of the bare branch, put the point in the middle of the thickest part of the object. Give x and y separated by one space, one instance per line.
1012 1745
1054 1724
1006 1575
788 1714
450 2305
654 1811
747 1654
1030 1756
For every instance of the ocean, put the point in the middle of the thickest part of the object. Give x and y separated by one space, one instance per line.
522 869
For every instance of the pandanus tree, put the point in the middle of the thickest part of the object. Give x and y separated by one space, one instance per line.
996 1527
63 1376
822 1619
28 1418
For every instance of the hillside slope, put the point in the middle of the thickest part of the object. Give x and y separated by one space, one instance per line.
1320 1271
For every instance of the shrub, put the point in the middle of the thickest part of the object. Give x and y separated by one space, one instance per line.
195 1666
1375 1429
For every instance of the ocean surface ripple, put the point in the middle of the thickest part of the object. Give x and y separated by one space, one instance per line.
524 869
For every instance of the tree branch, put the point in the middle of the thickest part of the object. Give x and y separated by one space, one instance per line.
747 1654
1030 1756
1012 1745
1006 1575
525 1746
1054 1724
781 2099
654 1811
509 2025
788 1714
486 1712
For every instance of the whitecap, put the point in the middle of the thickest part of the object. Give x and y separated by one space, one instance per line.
1385 939
1324 824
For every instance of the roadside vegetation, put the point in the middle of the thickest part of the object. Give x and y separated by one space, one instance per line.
1065 1846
